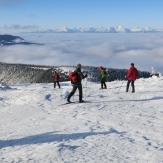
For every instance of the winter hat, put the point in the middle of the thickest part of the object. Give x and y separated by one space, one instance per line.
79 65
132 64
100 67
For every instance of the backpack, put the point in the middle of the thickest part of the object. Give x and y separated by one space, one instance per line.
105 71
73 77
56 76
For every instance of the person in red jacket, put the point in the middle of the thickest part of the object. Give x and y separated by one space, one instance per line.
131 77
56 79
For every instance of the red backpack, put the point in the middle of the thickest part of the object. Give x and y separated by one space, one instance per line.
73 77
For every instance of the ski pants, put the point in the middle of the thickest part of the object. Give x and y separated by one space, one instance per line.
57 83
103 83
75 86
132 84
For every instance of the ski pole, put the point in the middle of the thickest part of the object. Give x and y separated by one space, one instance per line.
85 89
120 86
73 95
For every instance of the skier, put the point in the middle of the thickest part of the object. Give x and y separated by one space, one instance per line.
56 79
77 84
131 76
103 77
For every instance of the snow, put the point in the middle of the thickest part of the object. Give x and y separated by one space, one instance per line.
67 69
116 29
18 40
111 127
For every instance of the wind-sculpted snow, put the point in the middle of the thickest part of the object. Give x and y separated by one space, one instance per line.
111 127
4 86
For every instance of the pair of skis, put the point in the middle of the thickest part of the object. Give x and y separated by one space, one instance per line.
67 103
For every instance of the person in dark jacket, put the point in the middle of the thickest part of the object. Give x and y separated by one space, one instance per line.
131 77
78 84
103 77
56 79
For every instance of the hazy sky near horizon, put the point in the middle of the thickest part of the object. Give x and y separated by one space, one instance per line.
108 50
26 15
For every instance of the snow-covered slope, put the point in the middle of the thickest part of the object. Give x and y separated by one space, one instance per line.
113 126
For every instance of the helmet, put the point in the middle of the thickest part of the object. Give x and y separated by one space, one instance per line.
100 67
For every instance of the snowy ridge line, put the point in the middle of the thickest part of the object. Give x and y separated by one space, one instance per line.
26 73
118 29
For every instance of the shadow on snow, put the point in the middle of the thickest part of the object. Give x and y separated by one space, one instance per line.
126 100
52 137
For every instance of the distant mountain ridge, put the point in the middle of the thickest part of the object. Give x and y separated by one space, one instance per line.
13 40
118 29
10 38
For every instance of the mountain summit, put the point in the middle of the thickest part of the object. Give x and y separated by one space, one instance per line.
117 29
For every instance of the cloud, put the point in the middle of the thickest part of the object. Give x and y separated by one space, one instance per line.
17 26
109 50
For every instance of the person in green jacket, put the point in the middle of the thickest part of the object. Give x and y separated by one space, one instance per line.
103 77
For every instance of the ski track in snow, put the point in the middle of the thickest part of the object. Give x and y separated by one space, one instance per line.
113 126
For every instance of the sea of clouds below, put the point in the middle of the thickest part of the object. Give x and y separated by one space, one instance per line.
109 50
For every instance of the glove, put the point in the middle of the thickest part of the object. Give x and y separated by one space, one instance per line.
86 75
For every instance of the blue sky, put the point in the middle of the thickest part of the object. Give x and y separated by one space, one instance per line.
26 15
110 50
